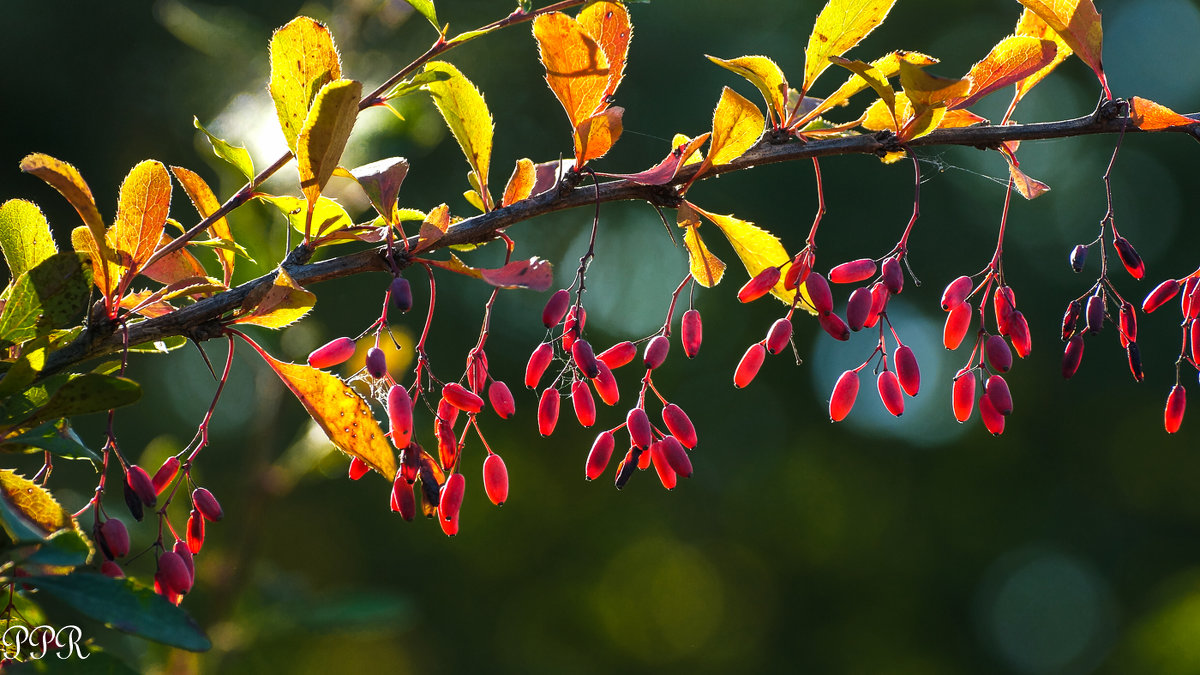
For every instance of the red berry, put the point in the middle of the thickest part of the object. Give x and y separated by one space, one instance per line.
998 353
1070 319
656 351
1078 257
833 324
1019 334
1128 323
174 573
893 276
1195 337
450 502
637 423
748 367
964 394
1191 300
1072 356
956 292
556 308
495 479
114 538
207 505
779 335
462 398
890 392
666 474
1135 361
410 463
139 481
626 467
819 293
760 285
844 393
1094 316
1176 403
799 270
691 333
573 328
548 411
606 386
957 323
907 370
582 401
852 272
676 456
618 355
858 308
679 425
195 532
404 500
879 299
400 416
477 369
332 353
1130 258
165 474
501 399
996 391
643 459
180 548
111 569
585 358
600 454
401 293
376 362
443 430
1160 295
1005 303
539 360
993 421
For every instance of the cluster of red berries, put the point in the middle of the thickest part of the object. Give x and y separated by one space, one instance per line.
1092 307
1188 288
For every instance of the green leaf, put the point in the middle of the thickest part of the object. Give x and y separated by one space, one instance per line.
97 662
65 548
414 83
328 216
427 10
24 236
87 393
236 155
126 606
324 135
47 297
467 115
24 370
56 437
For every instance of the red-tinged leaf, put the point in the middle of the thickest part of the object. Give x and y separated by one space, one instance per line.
535 274
764 74
277 305
595 136
520 185
1078 23
608 24
324 134
340 412
454 264
381 181
664 171
175 266
303 60
757 248
70 184
737 124
577 68
433 227
959 117
1150 116
927 91
145 200
1012 59
840 25
105 275
1032 25
206 203
467 115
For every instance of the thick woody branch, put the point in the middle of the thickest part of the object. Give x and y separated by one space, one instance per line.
203 320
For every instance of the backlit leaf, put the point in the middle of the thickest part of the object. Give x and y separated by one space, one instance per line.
303 60
1150 116
25 236
50 296
426 9
66 179
520 184
608 24
206 203
175 266
83 243
236 155
1078 23
595 136
1028 187
381 181
340 412
757 248
1032 25
456 265
27 511
467 115
323 138
328 215
1012 59
764 74
83 394
576 67
145 200
433 227
737 125
840 25
926 91
871 76
886 66
706 268
277 305
535 274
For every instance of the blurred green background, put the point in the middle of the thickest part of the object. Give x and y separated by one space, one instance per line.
912 545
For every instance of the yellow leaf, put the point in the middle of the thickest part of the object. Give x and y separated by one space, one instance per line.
737 124
303 60
764 74
1150 116
206 203
576 66
1078 23
323 138
689 148
1031 25
886 66
707 269
927 121
520 185
595 136
925 91
608 24
24 236
840 25
281 304
36 513
141 212
70 184
328 216
340 412
880 116
757 248
105 274
466 113
1013 59
871 76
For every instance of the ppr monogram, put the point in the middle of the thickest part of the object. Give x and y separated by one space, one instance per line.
42 640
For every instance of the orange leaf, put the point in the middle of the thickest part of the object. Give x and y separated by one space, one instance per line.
595 136
520 185
840 25
433 227
281 304
171 268
960 118
576 67
886 66
1012 59
608 24
1078 23
141 212
206 202
1028 187
104 274
67 180
1150 116
924 90
737 124
1032 25
340 412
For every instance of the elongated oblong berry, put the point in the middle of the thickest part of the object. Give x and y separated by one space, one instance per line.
1094 314
114 538
998 353
676 456
691 333
401 292
963 396
779 335
1127 323
195 532
834 326
573 327
858 308
626 468
133 502
1135 361
376 362
798 271
585 358
907 370
1004 301
174 573
956 292
403 499
400 416
606 386
501 399
1019 334
539 360
618 355
207 505
410 462
957 323
996 390
180 548
893 276
1190 302
584 404
818 291
137 479
556 308
447 444
450 502
111 569
477 369
666 474
748 367
760 285
679 425
462 398
844 393
332 353
1072 356
548 411
637 423
879 299
656 351
993 421
1176 404
495 479
1078 257
853 271
1070 319
890 392
1129 258
1194 330
165 474
1160 295
600 454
